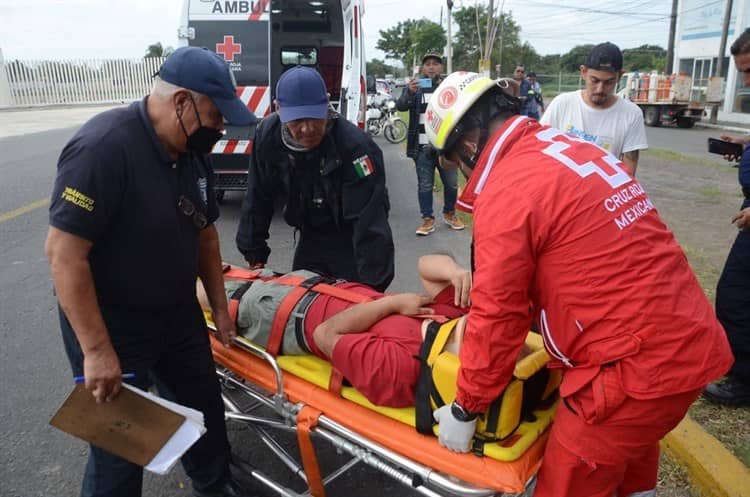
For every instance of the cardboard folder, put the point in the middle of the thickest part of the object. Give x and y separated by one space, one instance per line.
131 426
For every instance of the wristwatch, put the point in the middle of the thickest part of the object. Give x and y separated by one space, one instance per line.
462 414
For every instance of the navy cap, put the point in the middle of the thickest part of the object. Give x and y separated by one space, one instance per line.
203 71
301 94
605 57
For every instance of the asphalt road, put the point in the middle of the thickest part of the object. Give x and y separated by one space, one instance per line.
38 460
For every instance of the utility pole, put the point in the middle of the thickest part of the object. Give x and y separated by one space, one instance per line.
500 53
722 50
670 46
449 55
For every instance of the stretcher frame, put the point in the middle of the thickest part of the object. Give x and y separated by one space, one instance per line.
265 383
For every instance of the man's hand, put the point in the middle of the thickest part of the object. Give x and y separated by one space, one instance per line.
411 304
461 282
454 434
742 219
413 86
225 329
739 141
101 369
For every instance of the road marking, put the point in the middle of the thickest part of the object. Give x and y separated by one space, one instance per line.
23 210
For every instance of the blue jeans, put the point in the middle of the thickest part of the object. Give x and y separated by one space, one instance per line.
170 349
426 181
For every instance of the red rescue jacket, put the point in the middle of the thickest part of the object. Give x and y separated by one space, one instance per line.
560 223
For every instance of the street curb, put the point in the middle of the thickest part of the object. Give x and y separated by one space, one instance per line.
733 129
712 468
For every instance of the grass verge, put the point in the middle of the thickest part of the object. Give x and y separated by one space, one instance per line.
671 155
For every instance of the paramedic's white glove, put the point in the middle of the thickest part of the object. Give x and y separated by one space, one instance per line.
453 433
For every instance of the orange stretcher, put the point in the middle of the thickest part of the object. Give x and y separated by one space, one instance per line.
383 438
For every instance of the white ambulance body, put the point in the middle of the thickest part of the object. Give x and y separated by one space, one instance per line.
260 39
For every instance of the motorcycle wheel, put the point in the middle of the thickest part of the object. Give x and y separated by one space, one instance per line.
395 131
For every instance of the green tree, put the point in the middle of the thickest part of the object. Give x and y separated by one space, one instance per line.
572 61
157 50
644 58
379 68
410 39
508 50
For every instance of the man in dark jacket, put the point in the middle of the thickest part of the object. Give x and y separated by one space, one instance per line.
332 180
415 98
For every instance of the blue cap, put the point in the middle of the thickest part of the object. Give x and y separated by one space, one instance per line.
301 94
203 71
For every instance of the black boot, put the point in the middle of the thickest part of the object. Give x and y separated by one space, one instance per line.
729 391
230 488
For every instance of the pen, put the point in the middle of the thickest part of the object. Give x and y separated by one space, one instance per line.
125 376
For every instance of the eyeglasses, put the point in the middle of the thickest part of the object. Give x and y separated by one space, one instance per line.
187 207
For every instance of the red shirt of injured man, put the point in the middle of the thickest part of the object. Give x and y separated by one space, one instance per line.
378 354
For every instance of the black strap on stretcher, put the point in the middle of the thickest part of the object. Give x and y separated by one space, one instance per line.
427 392
425 386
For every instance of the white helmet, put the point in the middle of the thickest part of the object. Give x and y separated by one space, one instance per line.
451 101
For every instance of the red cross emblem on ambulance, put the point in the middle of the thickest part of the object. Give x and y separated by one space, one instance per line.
228 49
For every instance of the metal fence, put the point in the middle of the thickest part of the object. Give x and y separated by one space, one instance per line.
554 84
44 82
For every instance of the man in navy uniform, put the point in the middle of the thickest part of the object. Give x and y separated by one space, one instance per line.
331 178
131 227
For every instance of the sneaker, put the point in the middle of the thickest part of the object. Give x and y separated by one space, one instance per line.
453 221
428 226
729 392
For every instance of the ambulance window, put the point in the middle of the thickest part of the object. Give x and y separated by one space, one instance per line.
303 56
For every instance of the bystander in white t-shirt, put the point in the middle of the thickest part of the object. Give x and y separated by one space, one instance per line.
617 129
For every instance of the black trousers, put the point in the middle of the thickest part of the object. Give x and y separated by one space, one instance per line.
170 349
733 304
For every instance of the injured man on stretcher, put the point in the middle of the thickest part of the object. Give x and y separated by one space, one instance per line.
375 344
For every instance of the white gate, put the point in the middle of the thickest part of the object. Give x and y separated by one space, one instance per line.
77 81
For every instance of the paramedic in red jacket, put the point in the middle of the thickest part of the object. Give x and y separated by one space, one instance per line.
559 221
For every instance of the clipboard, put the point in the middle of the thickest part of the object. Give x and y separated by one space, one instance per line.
131 426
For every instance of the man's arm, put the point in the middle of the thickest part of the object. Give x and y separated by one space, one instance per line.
360 317
406 99
210 273
74 285
438 271
630 159
257 206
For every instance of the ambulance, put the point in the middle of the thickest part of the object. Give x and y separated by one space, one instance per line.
260 39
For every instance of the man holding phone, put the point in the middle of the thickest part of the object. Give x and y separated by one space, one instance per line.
415 98
733 289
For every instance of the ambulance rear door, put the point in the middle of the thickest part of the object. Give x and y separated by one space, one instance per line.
239 31
353 83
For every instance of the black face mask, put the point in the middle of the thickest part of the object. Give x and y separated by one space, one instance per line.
204 138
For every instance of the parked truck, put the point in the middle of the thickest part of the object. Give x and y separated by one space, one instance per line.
663 99
260 39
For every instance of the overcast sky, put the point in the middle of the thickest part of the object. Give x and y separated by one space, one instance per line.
67 29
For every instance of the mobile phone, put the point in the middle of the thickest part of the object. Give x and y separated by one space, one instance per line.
425 83
722 147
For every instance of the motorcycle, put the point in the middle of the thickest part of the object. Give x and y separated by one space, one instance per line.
382 118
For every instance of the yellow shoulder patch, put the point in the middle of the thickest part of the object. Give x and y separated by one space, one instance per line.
77 198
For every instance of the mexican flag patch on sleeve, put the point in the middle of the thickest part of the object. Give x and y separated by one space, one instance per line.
363 166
